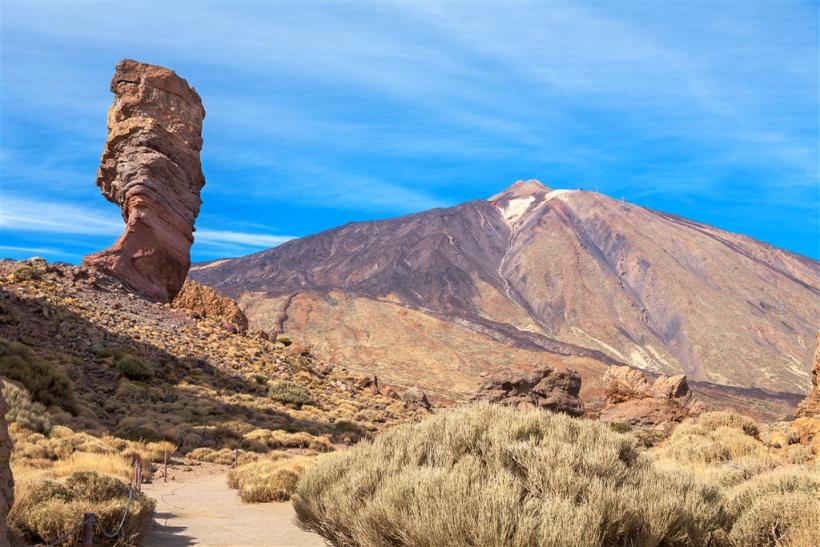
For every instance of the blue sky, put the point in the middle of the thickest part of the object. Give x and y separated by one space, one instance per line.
324 113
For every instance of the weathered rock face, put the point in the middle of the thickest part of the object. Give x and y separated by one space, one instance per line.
810 407
633 400
415 398
150 167
6 480
543 388
205 302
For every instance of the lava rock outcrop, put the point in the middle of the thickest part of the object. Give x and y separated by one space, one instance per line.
633 400
206 303
545 387
150 167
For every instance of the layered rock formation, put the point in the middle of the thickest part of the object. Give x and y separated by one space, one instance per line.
544 388
205 303
150 167
6 480
633 400
810 407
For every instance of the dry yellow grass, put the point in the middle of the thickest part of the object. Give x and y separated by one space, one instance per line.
114 465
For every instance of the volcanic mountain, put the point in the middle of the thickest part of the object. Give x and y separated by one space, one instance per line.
570 277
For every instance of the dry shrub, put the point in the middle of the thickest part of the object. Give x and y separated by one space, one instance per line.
44 510
115 465
156 451
224 456
489 475
714 420
777 508
23 411
262 440
268 480
714 437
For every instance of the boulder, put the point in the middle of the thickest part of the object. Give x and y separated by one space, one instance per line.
6 479
632 399
415 398
810 406
543 388
207 303
150 167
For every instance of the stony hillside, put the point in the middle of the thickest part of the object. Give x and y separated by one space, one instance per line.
114 363
532 273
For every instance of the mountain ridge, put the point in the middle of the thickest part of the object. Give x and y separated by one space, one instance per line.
533 264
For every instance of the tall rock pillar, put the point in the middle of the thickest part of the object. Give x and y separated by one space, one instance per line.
150 167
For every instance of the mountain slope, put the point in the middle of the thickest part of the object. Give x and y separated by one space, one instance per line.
574 273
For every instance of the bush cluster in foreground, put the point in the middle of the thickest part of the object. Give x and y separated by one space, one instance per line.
44 511
488 475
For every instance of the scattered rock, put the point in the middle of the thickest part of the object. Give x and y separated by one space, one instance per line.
204 302
299 349
150 167
810 407
415 398
543 388
6 479
633 400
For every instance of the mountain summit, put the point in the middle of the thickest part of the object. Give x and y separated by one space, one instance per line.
537 274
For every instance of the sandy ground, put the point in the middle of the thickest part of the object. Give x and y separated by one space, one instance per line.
198 508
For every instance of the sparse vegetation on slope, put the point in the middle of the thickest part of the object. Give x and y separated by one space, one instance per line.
147 380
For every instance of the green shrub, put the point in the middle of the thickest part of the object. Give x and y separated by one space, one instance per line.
284 339
27 273
260 379
25 413
491 475
45 382
140 434
134 369
290 393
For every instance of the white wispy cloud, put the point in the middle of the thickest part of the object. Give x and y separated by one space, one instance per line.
392 107
22 215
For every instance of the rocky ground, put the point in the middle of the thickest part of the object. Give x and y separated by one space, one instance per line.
203 385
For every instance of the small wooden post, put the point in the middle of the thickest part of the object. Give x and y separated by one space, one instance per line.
165 469
235 457
88 530
138 475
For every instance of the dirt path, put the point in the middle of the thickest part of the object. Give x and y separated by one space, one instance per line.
198 508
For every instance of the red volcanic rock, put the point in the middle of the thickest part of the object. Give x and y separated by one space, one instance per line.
544 388
204 302
633 400
150 167
810 407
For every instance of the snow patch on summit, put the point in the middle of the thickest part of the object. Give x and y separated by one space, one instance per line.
514 208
